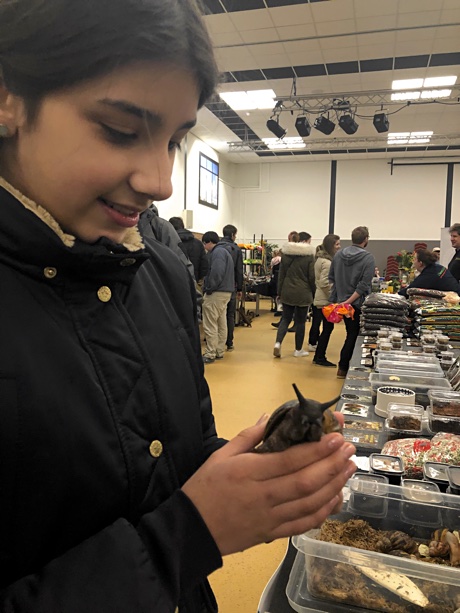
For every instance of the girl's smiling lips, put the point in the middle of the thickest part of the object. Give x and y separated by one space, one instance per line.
121 214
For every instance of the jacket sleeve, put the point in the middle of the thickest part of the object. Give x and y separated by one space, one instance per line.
216 272
124 568
323 278
331 277
311 276
281 276
203 265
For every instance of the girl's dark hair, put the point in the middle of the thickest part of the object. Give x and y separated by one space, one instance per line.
293 237
49 45
426 257
328 243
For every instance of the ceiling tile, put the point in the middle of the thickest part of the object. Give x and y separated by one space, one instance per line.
269 49
252 20
342 67
381 22
445 59
448 32
445 45
213 7
422 18
295 46
332 11
219 23
279 73
413 48
375 51
415 6
376 65
451 16
248 75
225 39
243 5
420 34
309 57
312 70
272 61
411 61
339 42
334 28
364 8
293 15
260 36
377 38
345 55
280 3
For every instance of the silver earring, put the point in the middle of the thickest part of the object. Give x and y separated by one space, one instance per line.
3 130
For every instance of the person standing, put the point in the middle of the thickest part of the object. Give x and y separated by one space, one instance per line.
228 241
217 290
454 264
296 283
351 275
329 247
431 274
192 248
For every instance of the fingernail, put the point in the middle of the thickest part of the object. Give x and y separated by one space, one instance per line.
261 419
348 450
335 442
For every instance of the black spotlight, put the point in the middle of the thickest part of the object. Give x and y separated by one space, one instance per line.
275 128
348 124
381 123
324 125
302 125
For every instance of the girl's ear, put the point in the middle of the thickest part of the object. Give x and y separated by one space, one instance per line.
12 111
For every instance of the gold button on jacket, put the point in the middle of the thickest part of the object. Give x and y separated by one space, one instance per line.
104 294
50 272
156 449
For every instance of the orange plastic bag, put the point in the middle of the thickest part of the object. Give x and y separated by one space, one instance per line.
337 311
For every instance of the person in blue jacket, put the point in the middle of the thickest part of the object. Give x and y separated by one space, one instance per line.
117 495
432 274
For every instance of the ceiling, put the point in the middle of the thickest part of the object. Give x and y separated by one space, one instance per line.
332 47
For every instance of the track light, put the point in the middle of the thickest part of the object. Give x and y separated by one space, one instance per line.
348 124
324 124
275 128
381 123
302 125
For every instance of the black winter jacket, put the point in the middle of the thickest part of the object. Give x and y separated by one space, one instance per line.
96 436
195 251
434 276
454 265
296 279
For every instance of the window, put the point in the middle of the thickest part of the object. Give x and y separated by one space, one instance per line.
209 182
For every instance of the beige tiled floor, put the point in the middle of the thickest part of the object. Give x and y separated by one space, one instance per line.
247 383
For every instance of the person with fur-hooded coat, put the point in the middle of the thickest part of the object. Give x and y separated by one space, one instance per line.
296 287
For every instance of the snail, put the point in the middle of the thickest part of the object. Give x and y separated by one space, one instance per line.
297 422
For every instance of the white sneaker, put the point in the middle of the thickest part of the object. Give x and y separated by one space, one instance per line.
300 353
277 350
312 347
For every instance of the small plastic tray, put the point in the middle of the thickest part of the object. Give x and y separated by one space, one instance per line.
443 423
444 403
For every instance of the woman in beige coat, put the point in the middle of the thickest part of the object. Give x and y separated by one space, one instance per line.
330 246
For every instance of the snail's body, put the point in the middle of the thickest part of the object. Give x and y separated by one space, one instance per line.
298 421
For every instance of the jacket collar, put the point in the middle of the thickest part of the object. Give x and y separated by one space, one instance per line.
298 249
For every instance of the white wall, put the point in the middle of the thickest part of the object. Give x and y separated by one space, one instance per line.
204 218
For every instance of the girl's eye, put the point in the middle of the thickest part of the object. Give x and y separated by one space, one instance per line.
173 146
117 137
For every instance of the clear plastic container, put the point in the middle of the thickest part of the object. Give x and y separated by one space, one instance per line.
436 472
442 340
420 384
443 423
429 349
336 578
385 346
444 403
404 421
417 368
453 474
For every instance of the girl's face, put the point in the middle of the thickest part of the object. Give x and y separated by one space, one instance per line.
99 153
337 245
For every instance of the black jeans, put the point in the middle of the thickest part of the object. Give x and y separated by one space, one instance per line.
300 317
316 318
352 326
231 310
323 340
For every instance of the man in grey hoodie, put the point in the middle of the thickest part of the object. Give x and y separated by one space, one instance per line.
351 275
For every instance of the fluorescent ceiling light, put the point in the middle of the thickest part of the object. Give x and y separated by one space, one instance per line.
398 141
409 138
421 134
436 93
405 96
439 81
250 100
294 142
418 141
407 84
398 134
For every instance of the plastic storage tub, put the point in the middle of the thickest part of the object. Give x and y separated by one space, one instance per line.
443 423
336 578
420 384
444 403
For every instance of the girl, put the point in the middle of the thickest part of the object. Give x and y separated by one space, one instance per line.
117 494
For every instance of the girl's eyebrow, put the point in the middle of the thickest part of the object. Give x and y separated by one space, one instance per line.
141 113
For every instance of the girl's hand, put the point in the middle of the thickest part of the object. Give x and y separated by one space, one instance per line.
247 498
